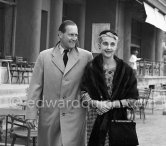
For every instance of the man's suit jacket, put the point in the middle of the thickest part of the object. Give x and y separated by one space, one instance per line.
61 119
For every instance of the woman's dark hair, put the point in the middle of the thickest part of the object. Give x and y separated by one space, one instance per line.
106 31
65 23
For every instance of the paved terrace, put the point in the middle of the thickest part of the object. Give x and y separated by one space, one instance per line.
151 132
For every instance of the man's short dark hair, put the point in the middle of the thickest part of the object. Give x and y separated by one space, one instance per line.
65 23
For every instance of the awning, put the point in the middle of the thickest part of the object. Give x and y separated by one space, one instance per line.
154 17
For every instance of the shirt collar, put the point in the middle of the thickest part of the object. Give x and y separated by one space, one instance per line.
62 49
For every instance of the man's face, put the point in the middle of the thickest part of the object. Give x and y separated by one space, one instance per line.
70 37
136 53
108 46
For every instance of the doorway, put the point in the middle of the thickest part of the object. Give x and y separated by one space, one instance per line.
43 37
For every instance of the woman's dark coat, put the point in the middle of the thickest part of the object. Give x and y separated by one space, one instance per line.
124 87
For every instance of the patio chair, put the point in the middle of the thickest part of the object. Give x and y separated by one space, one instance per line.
141 104
16 69
19 129
28 68
1 122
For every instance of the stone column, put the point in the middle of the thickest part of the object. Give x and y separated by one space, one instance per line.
127 35
55 20
81 24
27 41
158 48
152 45
14 30
8 30
35 25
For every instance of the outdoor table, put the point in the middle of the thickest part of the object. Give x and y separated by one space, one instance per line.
8 67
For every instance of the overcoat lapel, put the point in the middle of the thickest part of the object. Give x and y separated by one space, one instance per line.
57 59
72 60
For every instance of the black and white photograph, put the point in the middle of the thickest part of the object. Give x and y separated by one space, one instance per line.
82 72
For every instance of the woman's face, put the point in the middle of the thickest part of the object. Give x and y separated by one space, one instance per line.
108 46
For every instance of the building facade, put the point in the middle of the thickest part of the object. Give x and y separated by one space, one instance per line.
30 26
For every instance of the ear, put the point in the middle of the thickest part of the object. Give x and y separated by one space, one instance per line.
60 34
99 45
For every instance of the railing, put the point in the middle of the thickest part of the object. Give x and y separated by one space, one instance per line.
158 99
150 68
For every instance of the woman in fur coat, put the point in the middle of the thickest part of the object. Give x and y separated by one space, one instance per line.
108 83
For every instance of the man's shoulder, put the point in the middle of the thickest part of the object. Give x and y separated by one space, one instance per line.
132 58
47 51
84 51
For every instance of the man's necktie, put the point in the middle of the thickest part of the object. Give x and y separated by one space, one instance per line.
65 57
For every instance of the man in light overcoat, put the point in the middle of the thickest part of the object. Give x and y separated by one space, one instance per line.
54 91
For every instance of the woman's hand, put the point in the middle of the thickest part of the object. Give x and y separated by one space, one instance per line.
85 98
102 107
